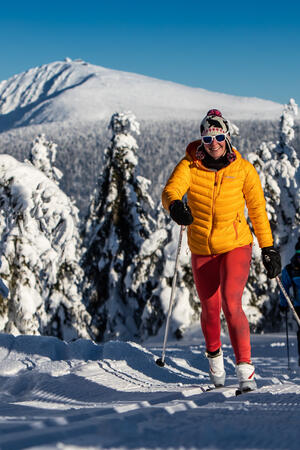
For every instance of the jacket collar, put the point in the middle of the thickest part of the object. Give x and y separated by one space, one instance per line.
191 153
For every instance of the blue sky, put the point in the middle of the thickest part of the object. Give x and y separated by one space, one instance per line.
249 49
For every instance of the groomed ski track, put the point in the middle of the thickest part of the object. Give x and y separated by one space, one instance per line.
82 395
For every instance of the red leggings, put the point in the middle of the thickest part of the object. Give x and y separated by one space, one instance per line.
220 281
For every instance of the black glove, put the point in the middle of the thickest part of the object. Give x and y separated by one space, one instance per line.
282 308
181 213
272 261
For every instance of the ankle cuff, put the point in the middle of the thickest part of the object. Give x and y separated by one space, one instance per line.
213 354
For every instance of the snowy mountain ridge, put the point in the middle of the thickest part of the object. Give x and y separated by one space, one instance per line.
79 92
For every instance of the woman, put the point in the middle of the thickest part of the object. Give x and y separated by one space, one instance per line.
218 182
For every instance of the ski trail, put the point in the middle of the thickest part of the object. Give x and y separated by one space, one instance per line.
120 398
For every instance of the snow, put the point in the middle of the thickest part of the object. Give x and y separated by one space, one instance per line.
79 92
39 252
78 395
149 246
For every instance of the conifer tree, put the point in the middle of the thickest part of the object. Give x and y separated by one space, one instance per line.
186 305
39 254
123 246
43 155
278 167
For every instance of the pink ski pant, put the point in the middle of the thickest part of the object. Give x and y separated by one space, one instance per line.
220 281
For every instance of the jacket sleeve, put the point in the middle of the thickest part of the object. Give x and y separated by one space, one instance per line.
178 183
256 205
287 283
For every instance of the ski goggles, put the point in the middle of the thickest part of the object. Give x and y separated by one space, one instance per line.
218 138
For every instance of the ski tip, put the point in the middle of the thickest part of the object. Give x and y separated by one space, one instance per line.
209 388
160 362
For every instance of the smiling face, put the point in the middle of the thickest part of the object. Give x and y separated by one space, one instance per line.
215 149
212 125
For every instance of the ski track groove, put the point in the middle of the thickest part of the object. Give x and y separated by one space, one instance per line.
47 409
132 378
46 430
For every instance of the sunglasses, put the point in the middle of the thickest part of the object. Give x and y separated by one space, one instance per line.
209 139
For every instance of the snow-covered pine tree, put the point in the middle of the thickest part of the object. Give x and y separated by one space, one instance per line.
43 155
279 170
39 254
123 258
186 306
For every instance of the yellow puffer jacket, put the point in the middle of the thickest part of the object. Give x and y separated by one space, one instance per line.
217 201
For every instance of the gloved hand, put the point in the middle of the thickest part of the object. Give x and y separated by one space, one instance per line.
282 308
272 261
181 213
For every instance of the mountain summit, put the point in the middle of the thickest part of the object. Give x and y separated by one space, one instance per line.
77 91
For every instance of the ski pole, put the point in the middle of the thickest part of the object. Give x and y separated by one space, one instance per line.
288 300
161 361
287 339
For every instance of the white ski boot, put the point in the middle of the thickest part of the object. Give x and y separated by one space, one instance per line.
216 368
245 373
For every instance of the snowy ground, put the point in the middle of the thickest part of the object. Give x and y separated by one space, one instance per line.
80 395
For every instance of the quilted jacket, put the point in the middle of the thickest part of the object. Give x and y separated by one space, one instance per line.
217 200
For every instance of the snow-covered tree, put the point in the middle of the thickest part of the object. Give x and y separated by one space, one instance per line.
43 155
123 257
279 170
39 254
186 306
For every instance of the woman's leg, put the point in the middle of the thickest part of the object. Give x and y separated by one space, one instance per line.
206 272
235 267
